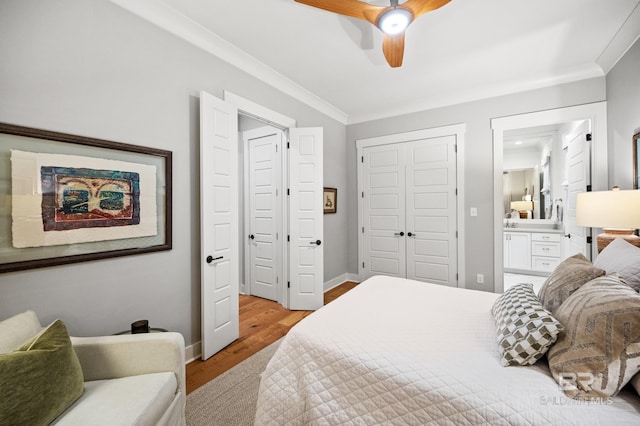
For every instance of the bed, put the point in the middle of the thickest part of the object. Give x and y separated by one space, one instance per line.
397 351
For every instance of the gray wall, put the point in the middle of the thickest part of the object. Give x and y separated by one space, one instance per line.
87 67
478 160
623 116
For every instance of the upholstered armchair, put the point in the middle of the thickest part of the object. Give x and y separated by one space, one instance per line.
125 380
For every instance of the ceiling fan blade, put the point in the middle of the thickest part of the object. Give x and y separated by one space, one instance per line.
393 49
420 7
353 8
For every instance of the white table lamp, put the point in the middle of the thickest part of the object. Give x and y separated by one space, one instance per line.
616 212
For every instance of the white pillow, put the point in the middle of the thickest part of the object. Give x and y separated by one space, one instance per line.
623 258
18 329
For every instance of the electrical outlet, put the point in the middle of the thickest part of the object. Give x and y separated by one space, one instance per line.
480 278
474 211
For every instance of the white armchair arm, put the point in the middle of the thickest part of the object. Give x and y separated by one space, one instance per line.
107 357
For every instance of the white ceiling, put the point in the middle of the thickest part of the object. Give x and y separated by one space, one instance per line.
467 50
530 137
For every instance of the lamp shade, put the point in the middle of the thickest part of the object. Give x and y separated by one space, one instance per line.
522 205
609 209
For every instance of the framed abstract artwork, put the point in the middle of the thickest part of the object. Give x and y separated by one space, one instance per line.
68 198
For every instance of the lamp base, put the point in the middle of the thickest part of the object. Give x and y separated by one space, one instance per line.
611 234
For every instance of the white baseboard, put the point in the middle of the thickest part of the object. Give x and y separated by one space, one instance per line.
193 352
340 279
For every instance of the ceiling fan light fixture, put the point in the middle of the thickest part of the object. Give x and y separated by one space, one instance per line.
395 21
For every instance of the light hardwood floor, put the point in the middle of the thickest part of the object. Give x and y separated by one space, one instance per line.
262 322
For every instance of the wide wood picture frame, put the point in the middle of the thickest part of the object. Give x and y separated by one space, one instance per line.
67 198
330 200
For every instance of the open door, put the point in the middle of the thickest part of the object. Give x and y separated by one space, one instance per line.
263 213
220 274
579 180
306 219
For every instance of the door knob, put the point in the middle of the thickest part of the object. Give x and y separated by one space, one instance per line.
252 236
567 236
211 258
316 242
410 234
401 234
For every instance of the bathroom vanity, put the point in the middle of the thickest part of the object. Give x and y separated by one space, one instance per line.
531 248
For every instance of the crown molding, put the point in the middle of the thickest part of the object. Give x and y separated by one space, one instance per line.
162 15
169 19
621 42
485 92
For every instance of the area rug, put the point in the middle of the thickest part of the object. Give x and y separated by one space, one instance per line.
230 399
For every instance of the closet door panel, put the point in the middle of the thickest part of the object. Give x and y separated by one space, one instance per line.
383 204
431 210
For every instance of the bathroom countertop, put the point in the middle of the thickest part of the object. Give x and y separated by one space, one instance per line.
532 229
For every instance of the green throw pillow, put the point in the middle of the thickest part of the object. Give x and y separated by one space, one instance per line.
40 379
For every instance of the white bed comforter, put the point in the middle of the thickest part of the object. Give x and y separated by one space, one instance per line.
395 351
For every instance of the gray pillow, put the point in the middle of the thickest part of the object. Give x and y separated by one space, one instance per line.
598 352
622 258
525 330
568 276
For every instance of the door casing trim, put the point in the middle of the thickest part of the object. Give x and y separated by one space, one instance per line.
595 112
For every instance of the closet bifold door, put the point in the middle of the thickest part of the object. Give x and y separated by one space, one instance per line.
430 170
384 246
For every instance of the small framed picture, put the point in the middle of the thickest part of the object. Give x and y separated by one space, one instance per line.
330 200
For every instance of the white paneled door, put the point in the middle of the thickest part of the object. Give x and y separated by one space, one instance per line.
384 246
579 177
220 273
431 210
409 210
264 217
306 273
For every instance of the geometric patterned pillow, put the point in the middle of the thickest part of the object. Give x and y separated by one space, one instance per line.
525 330
600 350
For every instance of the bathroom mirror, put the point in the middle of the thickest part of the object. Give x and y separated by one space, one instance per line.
527 188
519 194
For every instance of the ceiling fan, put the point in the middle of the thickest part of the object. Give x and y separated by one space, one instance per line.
392 20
